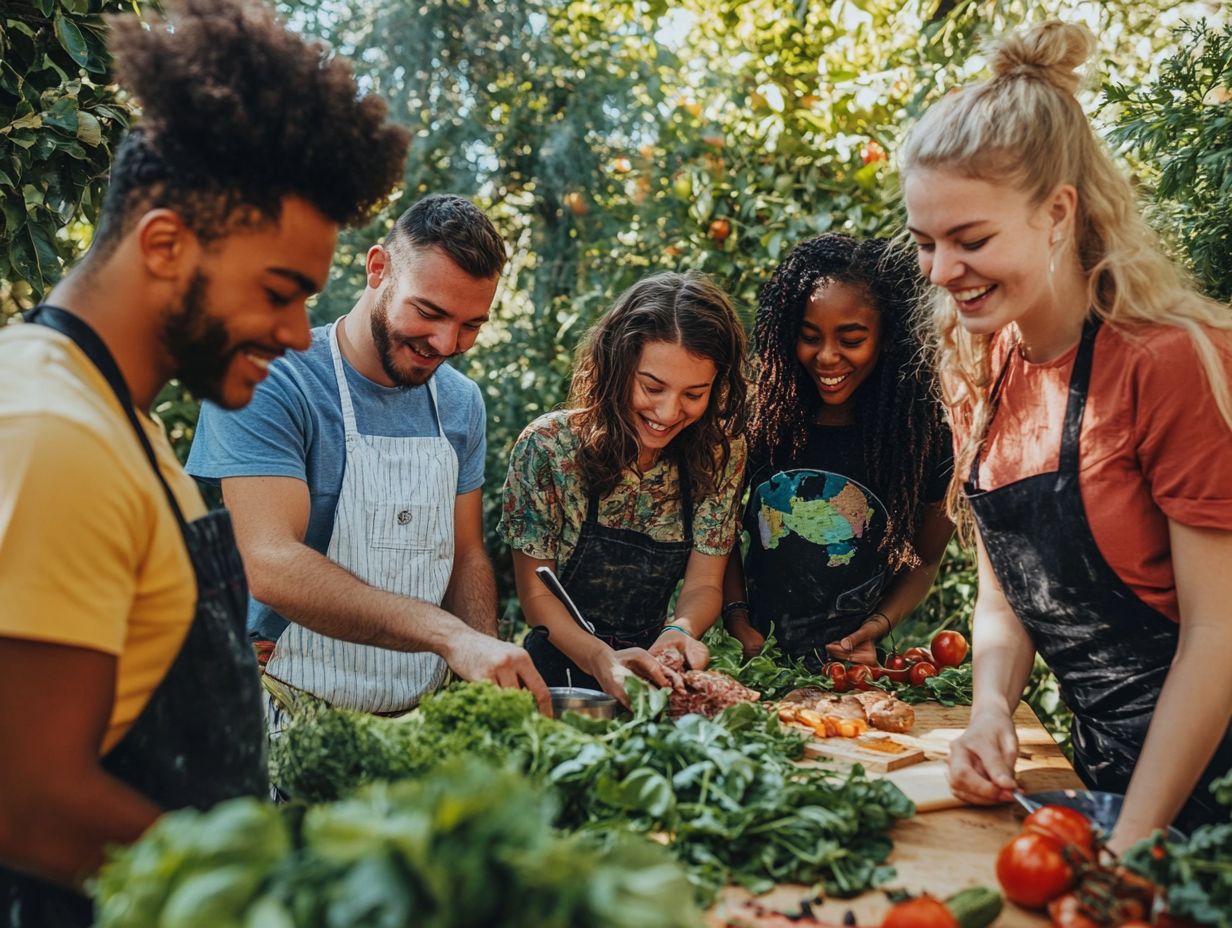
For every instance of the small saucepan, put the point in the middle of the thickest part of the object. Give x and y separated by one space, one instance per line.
594 703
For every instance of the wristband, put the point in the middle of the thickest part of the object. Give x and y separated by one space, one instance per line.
734 606
676 628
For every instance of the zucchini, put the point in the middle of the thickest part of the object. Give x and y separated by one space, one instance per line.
977 907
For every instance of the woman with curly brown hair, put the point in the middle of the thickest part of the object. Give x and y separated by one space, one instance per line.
849 457
631 490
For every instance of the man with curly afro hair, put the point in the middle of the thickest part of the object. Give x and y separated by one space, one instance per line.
127 684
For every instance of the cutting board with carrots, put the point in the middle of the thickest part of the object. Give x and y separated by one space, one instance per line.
923 778
875 751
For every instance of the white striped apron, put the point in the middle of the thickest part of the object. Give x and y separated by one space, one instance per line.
393 528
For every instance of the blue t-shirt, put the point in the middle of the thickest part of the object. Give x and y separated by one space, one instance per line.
293 428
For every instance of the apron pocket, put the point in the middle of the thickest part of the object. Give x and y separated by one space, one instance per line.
403 526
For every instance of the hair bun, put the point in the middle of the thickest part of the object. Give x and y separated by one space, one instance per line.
1052 52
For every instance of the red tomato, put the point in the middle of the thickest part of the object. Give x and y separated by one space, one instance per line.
895 668
838 675
920 672
915 655
924 912
1033 871
949 648
1067 827
859 676
1067 912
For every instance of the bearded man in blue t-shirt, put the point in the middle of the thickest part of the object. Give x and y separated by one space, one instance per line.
355 478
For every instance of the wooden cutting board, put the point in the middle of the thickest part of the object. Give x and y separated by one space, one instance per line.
876 751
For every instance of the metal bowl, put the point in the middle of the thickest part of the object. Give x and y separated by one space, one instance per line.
1101 808
594 703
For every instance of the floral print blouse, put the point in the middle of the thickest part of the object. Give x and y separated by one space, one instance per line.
544 502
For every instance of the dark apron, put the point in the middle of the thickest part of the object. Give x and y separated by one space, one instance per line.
200 739
622 581
1110 651
802 590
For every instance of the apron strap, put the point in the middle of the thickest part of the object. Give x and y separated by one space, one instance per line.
85 338
1075 404
994 397
344 393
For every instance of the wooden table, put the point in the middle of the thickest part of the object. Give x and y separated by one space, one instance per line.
944 851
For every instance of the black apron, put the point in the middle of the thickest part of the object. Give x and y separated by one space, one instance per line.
1110 651
622 581
814 584
201 737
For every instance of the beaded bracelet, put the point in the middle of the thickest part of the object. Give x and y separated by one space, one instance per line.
734 606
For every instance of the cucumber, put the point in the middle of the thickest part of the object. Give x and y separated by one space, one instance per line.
977 907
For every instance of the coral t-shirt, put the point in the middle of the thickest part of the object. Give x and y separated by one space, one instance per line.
1153 446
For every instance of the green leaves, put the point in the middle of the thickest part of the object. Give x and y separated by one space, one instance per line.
57 129
1196 872
467 846
72 40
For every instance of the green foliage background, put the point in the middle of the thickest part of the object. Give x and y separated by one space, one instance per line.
612 138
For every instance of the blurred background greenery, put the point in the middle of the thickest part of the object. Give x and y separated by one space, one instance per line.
611 138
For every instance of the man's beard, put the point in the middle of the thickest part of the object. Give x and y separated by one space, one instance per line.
384 339
198 343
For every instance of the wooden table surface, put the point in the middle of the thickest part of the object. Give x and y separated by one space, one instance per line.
944 851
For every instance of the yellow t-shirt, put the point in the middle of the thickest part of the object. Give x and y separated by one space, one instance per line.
90 552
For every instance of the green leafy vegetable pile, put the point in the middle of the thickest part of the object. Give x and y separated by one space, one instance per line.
1197 873
726 792
470 846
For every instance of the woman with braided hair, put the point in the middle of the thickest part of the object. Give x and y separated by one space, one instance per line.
849 457
1088 384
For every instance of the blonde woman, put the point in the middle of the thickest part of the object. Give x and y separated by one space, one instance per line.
1088 384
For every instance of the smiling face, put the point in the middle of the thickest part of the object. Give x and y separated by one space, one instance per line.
244 304
985 244
670 391
427 309
838 344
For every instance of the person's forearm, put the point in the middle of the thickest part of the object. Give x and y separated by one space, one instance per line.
585 650
472 591
308 588
697 607
57 825
1002 662
1191 718
906 592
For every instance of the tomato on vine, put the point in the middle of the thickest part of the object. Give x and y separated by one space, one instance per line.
1033 871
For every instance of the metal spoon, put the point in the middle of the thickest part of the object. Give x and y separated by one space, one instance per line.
550 580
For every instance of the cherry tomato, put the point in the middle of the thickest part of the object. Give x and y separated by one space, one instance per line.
915 655
923 912
921 672
1067 827
1033 871
895 668
838 676
949 648
859 676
